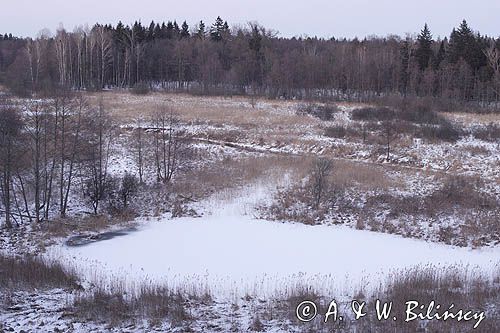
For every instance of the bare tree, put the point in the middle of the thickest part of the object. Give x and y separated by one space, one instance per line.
38 128
170 144
80 37
10 128
100 141
139 148
388 133
71 114
101 39
493 56
63 56
34 58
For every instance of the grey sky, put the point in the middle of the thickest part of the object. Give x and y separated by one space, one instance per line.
323 18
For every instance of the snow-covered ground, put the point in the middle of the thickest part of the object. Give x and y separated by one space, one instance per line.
232 253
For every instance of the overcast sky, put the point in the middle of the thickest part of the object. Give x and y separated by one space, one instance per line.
322 18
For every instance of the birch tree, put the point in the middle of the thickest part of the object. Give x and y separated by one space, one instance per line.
10 128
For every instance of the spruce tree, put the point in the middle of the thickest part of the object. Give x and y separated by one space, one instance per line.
139 32
151 31
119 36
170 30
423 53
163 30
177 30
441 55
464 44
201 30
217 29
157 34
184 30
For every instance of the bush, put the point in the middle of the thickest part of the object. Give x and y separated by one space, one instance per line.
445 132
323 112
351 131
416 114
373 114
490 133
464 192
141 88
421 114
416 119
336 132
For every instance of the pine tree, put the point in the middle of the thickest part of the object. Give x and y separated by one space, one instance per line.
424 53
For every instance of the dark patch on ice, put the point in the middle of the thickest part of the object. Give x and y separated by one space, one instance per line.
85 239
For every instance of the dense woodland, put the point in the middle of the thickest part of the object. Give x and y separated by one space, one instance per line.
217 59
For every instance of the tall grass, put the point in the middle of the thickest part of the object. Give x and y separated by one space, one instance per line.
34 273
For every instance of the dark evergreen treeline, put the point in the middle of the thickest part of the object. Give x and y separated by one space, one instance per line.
218 60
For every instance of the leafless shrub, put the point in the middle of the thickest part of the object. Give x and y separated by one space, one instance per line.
320 173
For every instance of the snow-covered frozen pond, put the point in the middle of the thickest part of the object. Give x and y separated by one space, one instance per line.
231 251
